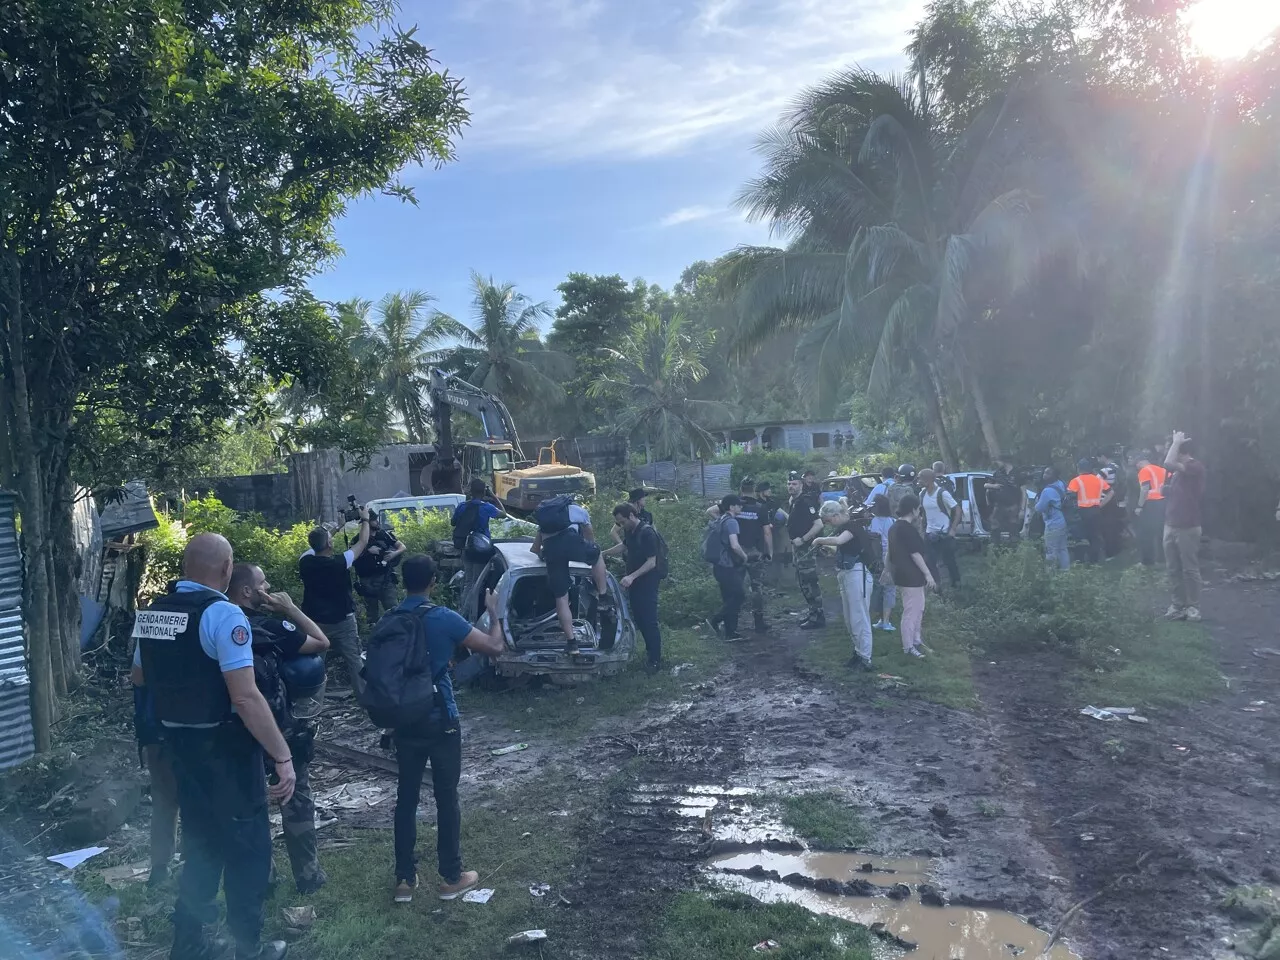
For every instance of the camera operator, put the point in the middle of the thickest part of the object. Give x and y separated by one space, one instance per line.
1008 504
376 569
326 592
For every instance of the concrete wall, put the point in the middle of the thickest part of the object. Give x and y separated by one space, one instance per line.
320 481
270 494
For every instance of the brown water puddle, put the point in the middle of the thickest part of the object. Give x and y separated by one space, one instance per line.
943 933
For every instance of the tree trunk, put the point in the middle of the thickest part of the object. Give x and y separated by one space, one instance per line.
984 417
933 409
35 600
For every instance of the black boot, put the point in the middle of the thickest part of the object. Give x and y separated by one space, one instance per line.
268 950
814 623
197 944
761 625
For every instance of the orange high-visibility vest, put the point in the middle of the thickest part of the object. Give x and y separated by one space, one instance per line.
1088 488
1155 477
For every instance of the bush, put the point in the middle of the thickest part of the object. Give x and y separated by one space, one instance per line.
771 465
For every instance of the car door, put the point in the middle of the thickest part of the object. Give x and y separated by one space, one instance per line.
961 483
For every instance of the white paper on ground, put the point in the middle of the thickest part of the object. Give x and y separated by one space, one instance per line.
477 896
74 858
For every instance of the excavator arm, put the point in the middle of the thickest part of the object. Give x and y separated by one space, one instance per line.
449 393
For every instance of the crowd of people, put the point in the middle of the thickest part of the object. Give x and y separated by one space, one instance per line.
229 676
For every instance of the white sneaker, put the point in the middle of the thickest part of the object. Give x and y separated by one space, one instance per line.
1192 614
916 652
887 626
1175 612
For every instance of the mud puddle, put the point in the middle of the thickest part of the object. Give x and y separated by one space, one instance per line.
941 933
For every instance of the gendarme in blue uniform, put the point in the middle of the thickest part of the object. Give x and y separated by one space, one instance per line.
186 642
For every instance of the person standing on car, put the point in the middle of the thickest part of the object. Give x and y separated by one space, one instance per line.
1184 491
1092 494
296 648
326 592
376 569
755 533
437 738
803 525
644 558
471 532
1150 510
729 568
942 516
565 536
194 656
855 557
910 572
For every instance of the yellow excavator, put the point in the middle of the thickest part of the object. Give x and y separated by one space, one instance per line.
496 457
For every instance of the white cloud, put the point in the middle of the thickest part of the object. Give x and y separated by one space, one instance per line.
621 79
689 215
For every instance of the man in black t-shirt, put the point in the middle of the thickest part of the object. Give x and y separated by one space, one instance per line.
803 526
326 593
279 626
641 548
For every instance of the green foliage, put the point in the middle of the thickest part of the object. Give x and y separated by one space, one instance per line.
824 819
725 926
771 465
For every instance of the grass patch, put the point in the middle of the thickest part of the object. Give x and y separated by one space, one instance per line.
1172 667
725 926
824 819
514 841
570 711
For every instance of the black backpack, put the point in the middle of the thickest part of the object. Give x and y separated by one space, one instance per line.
266 674
465 523
872 552
663 565
552 515
399 688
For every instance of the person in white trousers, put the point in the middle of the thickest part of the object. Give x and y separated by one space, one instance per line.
853 544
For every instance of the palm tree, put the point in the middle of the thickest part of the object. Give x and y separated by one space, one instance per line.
404 344
650 375
501 351
896 230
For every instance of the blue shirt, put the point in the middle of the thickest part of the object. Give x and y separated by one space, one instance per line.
1049 506
486 513
445 631
224 632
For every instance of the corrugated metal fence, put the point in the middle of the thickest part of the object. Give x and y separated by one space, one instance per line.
16 740
698 477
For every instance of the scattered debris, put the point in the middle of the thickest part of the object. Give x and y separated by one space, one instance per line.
766 945
1086 837
504 751
526 936
931 896
580 701
299 918
1180 748
1266 652
73 858
899 891
1251 709
477 896
679 668
127 873
1257 703
1120 711
1092 711
540 889
1137 719
868 868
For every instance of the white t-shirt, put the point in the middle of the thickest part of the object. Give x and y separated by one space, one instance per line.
348 555
937 520
578 517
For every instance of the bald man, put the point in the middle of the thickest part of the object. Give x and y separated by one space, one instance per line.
195 657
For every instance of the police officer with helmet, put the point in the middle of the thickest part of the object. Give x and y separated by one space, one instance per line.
289 650
194 654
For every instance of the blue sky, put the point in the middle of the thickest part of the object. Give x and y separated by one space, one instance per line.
607 136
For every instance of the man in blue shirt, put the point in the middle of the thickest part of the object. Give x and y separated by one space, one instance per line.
1049 506
438 740
473 516
194 655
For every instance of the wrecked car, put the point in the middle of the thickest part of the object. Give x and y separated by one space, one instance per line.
535 642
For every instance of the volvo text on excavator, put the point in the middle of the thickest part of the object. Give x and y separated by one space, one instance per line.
496 457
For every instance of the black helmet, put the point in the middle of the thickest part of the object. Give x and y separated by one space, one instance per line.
907 472
304 678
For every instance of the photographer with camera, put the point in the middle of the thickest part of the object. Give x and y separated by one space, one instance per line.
376 569
326 590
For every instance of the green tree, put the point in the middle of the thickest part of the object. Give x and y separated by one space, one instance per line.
650 376
165 167
502 352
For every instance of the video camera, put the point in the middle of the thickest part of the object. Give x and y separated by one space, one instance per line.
352 513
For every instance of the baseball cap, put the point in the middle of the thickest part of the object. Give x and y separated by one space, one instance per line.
795 475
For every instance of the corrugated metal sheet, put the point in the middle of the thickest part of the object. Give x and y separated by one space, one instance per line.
130 514
702 479
16 740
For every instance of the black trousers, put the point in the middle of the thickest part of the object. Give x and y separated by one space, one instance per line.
732 596
943 549
1151 532
644 610
1091 530
226 838
442 748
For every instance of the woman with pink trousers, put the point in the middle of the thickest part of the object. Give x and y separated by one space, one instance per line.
910 572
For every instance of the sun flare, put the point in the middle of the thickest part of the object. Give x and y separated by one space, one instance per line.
1227 29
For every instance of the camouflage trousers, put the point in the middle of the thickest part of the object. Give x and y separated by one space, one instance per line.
807 577
756 568
299 814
